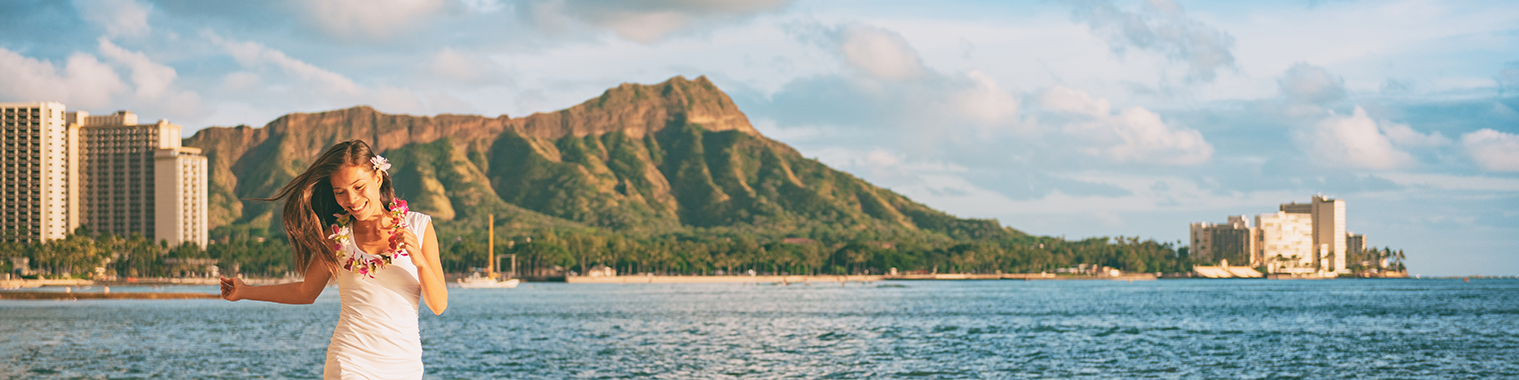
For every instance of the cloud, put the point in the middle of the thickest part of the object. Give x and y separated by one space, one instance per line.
255 55
881 53
1161 26
240 81
1404 136
482 6
1353 141
1061 99
876 52
461 67
366 19
118 17
332 89
1134 134
1493 150
82 82
153 83
987 103
645 21
152 79
1305 83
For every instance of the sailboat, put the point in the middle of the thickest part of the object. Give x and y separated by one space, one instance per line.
491 279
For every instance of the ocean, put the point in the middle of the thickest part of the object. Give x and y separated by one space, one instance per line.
891 329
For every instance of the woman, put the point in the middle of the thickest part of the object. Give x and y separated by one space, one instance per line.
343 220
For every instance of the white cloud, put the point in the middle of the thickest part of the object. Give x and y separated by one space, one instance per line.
83 82
1354 141
645 21
255 55
367 19
987 103
240 81
461 67
881 53
882 158
1311 84
1493 150
117 17
1067 100
1405 136
1134 134
1162 26
482 6
1145 138
152 79
332 89
1454 182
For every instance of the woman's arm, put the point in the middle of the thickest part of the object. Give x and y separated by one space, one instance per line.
430 272
296 293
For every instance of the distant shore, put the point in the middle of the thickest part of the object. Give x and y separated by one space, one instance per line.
649 279
15 284
75 296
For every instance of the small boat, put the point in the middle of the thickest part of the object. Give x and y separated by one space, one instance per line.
489 280
476 281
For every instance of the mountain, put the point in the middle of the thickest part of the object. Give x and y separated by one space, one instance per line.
656 158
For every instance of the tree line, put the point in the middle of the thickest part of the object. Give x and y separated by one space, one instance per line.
255 252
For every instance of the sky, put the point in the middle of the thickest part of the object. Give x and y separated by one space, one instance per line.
1061 118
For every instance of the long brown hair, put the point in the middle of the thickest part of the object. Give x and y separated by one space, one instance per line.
310 206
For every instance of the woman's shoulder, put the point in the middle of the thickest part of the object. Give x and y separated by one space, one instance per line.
417 218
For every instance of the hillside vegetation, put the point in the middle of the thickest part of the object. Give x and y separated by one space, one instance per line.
669 178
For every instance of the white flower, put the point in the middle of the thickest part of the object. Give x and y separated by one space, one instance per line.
380 163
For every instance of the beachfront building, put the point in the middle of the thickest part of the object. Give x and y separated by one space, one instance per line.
38 200
1329 233
1285 242
63 170
137 178
1355 245
1298 239
1234 241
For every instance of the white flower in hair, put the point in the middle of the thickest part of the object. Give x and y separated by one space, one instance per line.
380 163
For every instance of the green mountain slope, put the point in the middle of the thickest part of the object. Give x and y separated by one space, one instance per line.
647 159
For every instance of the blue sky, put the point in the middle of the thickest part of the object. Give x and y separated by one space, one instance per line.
1076 119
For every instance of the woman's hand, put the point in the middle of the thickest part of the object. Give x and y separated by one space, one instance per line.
409 242
232 288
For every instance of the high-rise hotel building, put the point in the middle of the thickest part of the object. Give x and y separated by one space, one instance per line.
38 198
1300 239
120 177
137 178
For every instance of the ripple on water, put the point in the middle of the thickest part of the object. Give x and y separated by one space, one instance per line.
936 330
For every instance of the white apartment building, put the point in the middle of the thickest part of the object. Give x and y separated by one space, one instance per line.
1286 242
38 194
109 173
1235 241
1329 233
180 196
137 178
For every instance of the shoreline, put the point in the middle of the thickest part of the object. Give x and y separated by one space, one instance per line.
15 284
75 296
649 279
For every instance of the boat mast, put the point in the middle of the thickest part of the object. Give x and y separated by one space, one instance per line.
490 270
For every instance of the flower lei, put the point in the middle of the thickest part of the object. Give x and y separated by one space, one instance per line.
363 262
342 234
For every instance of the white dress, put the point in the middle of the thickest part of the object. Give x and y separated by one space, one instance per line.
376 336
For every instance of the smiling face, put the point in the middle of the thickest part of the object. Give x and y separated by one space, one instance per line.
357 190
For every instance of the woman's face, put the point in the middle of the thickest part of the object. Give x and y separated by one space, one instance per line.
357 189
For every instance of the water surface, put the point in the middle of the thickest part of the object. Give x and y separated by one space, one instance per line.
946 329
